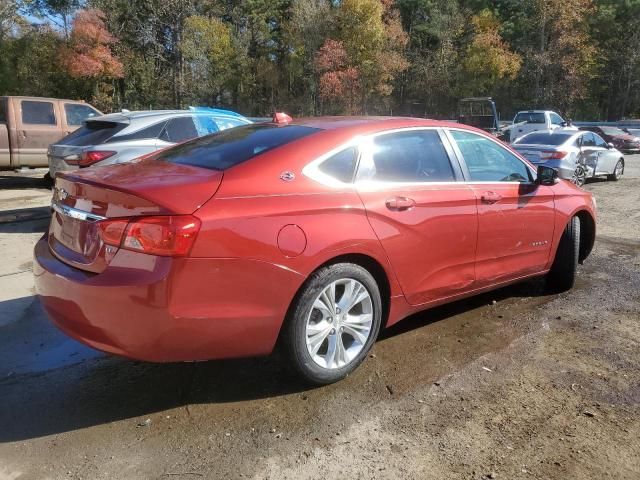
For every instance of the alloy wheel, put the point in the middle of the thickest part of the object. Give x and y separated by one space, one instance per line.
579 176
339 323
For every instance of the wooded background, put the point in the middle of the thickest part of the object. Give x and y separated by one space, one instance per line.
309 57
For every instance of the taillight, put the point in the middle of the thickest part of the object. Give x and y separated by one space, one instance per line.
94 156
167 236
553 155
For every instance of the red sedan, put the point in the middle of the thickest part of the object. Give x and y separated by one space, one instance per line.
315 233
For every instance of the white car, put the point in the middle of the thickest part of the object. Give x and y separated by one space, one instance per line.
533 120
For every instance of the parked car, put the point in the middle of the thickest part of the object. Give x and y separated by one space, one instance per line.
533 120
121 137
29 124
577 155
317 233
617 137
633 131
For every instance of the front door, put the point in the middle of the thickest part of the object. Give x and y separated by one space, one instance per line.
515 216
424 216
607 157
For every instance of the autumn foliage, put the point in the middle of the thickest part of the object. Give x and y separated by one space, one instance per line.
88 53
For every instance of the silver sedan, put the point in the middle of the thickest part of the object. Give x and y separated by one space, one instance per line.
576 155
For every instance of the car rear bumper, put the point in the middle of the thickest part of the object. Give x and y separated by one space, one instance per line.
163 310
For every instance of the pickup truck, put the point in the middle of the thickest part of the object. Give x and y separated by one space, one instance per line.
28 125
533 120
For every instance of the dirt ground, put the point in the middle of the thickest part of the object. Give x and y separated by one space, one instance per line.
508 385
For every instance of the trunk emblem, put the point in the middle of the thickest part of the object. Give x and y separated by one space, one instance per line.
287 176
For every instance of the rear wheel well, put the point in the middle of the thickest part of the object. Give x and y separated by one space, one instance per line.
587 234
368 263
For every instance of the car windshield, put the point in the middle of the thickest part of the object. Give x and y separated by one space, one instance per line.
539 138
529 117
613 131
233 146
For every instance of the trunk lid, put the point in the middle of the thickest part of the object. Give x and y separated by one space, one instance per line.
533 153
144 188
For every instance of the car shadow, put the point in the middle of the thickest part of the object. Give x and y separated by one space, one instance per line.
25 220
21 182
99 389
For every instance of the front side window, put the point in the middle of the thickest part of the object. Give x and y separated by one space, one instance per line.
588 140
77 113
38 113
231 147
226 122
556 119
205 124
599 141
341 166
409 156
489 162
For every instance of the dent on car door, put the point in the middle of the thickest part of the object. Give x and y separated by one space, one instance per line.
515 216
423 216
590 153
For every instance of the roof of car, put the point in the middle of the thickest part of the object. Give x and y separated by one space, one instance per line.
126 116
364 124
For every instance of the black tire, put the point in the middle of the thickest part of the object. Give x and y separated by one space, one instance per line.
617 172
294 333
562 275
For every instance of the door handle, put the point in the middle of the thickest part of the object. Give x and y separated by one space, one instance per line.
400 204
490 197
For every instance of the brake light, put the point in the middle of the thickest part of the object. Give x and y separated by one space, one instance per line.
94 156
553 155
282 118
167 236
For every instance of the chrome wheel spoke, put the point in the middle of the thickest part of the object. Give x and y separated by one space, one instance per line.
339 323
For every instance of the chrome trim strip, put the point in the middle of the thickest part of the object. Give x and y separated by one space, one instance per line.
75 213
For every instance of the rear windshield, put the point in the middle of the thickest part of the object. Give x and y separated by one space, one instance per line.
227 148
93 133
544 138
529 117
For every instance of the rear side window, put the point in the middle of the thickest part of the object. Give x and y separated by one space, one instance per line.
340 166
529 117
150 132
489 162
411 156
93 133
77 113
179 130
233 146
38 113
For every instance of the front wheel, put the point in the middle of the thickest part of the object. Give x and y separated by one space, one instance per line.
617 172
562 275
333 323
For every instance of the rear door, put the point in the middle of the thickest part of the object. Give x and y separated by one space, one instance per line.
39 125
590 153
423 215
515 216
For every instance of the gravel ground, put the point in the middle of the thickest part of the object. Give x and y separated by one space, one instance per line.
511 384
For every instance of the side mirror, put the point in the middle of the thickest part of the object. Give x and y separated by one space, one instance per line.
610 145
564 124
546 176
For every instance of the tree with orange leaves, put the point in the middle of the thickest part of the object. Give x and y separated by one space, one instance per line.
88 54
